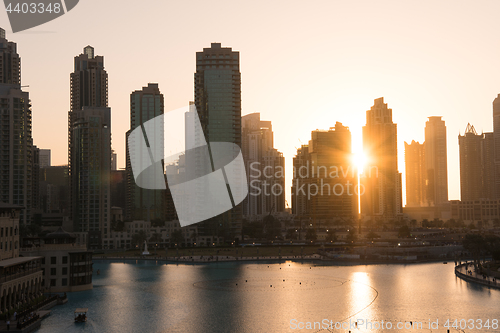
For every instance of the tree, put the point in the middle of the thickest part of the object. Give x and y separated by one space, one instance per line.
475 244
330 236
311 234
404 232
371 235
272 227
413 223
351 236
155 238
496 223
291 234
177 237
139 238
118 225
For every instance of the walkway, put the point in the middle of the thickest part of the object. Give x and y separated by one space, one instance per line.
462 271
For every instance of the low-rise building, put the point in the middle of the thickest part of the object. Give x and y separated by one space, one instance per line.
67 265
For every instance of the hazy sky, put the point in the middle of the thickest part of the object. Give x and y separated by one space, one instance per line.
304 65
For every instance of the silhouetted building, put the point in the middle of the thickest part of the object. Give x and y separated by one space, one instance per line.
16 141
54 190
44 158
300 202
415 174
145 204
436 161
476 165
265 168
119 189
496 138
89 182
381 180
218 102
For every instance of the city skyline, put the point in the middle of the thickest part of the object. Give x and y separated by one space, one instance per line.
341 91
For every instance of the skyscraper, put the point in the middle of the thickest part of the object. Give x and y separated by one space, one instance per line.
382 184
436 161
415 174
332 175
16 142
89 148
265 168
300 202
496 138
145 104
217 84
476 165
44 158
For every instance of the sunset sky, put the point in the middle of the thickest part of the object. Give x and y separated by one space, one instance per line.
304 65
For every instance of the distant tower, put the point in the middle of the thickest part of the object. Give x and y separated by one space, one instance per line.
16 141
383 195
436 161
145 105
496 136
471 175
415 174
217 92
259 154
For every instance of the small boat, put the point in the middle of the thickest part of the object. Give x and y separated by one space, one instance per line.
81 315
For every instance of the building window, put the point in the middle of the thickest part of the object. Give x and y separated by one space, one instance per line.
65 259
53 260
64 282
53 271
65 271
52 282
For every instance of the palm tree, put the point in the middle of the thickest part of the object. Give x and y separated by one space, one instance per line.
139 238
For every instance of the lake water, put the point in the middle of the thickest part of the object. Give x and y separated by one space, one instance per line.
149 296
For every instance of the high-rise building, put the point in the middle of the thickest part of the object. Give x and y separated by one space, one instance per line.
218 102
476 165
145 104
332 175
436 161
10 62
300 202
415 174
90 173
382 184
114 160
496 138
89 154
44 158
265 168
16 142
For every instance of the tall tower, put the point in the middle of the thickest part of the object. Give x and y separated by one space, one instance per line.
145 104
16 141
496 138
217 84
477 179
436 161
382 184
415 174
89 148
471 180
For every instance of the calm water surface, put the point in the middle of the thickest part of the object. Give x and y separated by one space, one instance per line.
148 296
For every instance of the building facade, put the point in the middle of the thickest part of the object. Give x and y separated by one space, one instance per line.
477 176
145 104
90 174
382 182
415 174
265 168
436 160
217 92
16 141
20 277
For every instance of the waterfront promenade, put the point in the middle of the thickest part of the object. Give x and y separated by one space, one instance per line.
466 272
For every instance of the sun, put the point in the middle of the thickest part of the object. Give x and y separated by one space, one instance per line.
359 160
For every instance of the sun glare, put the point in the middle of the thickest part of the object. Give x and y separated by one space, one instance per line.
359 161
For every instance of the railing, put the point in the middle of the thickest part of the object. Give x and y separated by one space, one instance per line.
486 282
14 276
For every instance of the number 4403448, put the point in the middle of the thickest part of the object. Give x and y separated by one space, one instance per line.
472 324
34 8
